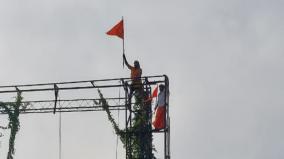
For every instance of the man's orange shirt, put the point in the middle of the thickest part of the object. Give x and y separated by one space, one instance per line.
136 73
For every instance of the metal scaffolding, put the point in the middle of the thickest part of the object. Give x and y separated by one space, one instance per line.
70 102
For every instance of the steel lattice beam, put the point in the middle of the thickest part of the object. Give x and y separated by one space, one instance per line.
74 105
123 103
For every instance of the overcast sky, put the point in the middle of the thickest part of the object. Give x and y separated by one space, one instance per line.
224 58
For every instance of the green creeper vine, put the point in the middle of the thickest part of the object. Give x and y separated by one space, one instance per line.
139 134
13 111
105 106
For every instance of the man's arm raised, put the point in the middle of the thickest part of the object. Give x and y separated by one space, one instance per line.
126 63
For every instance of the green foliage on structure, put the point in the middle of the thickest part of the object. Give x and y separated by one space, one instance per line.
105 106
138 136
13 111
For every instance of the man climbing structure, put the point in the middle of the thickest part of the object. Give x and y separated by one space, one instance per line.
136 73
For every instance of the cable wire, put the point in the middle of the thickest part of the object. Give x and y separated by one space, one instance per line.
60 131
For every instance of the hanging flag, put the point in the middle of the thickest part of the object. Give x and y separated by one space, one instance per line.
159 118
117 30
153 95
155 92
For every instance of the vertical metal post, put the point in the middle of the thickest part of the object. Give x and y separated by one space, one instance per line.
126 129
127 136
165 126
149 115
167 120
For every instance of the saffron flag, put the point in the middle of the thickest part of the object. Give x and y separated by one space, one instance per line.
155 92
153 95
159 118
117 30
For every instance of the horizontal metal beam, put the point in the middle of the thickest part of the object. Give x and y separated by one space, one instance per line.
77 82
75 105
67 88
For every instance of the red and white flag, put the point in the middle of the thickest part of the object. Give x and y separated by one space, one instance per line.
155 92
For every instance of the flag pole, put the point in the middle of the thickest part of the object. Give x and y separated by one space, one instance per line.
123 47
118 30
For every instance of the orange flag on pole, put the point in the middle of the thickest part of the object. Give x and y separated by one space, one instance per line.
117 30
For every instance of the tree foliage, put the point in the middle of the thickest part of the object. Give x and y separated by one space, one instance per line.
139 135
13 111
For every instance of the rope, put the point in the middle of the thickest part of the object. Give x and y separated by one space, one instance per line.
60 132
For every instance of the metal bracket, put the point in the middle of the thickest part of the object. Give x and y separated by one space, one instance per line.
93 83
56 90
18 90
